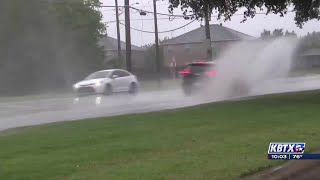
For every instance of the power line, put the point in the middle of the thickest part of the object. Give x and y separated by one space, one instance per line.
258 13
149 19
152 32
150 5
182 16
144 31
163 14
141 10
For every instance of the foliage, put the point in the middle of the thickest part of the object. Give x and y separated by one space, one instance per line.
150 53
45 45
113 63
305 10
309 41
276 33
287 33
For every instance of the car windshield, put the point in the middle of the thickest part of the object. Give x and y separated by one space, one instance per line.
98 75
200 68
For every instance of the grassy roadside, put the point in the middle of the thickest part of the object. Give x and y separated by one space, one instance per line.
217 141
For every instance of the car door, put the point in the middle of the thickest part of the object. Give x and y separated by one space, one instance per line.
125 80
116 81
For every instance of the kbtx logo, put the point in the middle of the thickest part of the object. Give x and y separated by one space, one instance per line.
286 147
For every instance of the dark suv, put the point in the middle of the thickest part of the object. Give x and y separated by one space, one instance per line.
197 75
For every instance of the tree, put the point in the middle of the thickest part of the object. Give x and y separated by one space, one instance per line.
292 34
265 34
84 29
150 54
310 41
46 45
305 10
276 33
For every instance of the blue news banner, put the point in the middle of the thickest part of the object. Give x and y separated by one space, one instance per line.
293 156
289 151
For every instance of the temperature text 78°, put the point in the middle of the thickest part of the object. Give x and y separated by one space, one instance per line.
296 156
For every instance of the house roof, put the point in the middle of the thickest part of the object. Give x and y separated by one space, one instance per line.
110 43
312 52
217 33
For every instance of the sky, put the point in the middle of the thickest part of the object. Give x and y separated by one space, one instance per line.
252 27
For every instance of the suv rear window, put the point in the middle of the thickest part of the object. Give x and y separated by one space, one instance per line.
199 68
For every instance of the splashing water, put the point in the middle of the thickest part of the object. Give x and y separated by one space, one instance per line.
252 64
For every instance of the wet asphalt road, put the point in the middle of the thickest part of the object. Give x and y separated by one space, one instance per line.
16 114
34 112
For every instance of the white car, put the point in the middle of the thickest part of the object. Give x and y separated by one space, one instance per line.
107 82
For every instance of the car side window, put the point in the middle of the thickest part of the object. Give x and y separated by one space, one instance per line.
124 74
106 74
116 73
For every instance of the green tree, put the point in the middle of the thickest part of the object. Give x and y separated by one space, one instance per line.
276 33
150 54
305 10
46 45
292 33
310 41
265 34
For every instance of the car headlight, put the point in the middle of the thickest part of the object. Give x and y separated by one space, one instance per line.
99 83
76 86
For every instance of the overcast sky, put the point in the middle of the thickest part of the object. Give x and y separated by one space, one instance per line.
251 27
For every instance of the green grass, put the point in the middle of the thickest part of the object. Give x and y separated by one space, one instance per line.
215 141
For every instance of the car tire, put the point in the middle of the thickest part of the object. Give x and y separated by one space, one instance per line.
133 89
187 89
108 90
240 89
187 92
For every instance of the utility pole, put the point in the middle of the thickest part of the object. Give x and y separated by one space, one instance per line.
158 64
207 28
128 35
118 35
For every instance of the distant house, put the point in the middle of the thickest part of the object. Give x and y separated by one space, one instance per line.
190 46
310 58
111 47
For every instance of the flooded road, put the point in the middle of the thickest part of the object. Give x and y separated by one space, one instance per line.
34 112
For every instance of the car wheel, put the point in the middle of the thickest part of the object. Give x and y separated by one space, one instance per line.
240 89
108 90
187 90
133 89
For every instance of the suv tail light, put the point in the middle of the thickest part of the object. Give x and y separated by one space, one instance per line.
185 72
211 73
